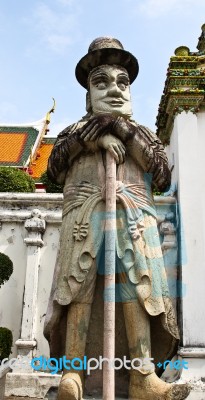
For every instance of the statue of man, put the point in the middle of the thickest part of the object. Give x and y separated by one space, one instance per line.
78 162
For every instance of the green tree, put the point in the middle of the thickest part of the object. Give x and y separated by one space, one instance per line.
15 180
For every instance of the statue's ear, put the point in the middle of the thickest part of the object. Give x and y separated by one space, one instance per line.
88 103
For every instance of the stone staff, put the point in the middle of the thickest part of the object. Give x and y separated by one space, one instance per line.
109 298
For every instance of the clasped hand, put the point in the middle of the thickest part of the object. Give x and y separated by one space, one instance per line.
104 131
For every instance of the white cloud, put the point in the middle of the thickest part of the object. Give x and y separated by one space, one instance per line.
158 8
57 27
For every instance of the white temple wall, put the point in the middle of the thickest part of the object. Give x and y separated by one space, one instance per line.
187 145
13 216
11 293
186 152
201 159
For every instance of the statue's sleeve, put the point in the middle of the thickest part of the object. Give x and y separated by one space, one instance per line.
147 150
66 148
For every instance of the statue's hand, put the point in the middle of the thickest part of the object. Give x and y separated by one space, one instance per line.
100 125
123 129
114 146
97 127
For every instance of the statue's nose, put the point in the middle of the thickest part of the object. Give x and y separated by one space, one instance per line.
114 90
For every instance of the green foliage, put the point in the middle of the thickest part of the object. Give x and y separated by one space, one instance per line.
6 339
6 268
15 180
50 186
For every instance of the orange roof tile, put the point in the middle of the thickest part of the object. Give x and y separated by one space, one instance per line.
12 146
40 164
16 144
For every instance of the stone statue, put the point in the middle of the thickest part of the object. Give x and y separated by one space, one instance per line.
78 162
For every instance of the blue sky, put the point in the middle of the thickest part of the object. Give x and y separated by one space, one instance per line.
42 41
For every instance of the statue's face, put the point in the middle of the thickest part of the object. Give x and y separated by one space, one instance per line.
110 91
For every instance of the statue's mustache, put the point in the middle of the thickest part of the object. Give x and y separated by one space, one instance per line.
114 96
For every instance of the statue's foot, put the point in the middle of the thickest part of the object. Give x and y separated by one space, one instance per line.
178 392
70 387
150 387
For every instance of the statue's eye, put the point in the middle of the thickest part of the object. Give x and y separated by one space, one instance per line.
122 82
101 85
122 85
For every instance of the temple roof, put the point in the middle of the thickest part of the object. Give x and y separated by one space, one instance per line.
40 164
16 143
25 146
184 88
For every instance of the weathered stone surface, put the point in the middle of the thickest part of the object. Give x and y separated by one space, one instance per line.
30 385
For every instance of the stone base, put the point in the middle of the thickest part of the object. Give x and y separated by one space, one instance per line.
18 398
2 386
3 371
198 388
54 397
198 393
195 395
34 385
195 374
44 385
37 386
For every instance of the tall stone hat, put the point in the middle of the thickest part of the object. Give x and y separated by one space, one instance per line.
106 50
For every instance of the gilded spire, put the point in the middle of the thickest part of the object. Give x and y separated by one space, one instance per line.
48 115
